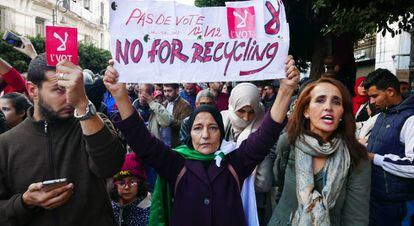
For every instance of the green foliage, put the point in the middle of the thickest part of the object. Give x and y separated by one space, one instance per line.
361 17
90 56
358 17
205 3
93 58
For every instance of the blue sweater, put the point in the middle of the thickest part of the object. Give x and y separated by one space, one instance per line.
390 180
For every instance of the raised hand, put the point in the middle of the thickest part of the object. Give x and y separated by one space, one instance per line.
70 77
287 87
27 48
118 90
292 74
147 98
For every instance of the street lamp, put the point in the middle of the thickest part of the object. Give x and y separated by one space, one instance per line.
65 4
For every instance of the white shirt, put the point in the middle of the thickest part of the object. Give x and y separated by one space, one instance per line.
170 107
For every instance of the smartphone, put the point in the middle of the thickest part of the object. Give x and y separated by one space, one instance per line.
52 184
12 39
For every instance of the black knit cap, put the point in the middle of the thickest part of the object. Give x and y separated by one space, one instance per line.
216 115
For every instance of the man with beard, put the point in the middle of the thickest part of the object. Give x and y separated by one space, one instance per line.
62 137
178 108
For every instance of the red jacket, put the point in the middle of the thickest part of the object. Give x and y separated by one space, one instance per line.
13 81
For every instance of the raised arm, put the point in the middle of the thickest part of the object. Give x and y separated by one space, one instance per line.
102 144
4 67
152 151
11 78
255 148
287 87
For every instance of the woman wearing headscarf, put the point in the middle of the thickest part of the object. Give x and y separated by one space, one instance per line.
206 173
327 173
360 100
245 113
243 117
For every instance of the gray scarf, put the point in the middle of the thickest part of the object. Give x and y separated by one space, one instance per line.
313 207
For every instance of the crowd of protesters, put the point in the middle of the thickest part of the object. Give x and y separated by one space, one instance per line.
282 152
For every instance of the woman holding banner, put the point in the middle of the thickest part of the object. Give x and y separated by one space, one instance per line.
207 172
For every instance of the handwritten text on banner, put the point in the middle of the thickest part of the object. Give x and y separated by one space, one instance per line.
164 41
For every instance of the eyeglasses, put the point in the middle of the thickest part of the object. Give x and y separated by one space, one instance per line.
123 183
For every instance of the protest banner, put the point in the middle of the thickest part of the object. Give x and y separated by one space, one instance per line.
165 42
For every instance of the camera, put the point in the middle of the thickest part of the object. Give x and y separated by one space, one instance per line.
12 39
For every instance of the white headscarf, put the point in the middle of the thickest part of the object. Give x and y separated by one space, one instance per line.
244 94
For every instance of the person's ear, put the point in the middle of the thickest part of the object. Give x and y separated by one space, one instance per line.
21 114
33 90
391 92
306 114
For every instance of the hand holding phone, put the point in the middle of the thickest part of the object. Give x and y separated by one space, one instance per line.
27 48
57 194
12 39
49 185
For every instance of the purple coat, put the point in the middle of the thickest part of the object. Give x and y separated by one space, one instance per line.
204 197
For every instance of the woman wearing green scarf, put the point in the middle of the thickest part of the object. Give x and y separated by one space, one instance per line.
206 174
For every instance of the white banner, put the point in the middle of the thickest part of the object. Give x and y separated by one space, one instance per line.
168 42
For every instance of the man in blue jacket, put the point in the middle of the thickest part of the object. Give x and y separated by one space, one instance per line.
390 148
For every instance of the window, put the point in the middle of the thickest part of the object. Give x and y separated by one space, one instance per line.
101 41
66 4
40 26
88 39
87 4
382 49
102 12
2 19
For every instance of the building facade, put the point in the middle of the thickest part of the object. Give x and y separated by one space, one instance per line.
392 53
30 17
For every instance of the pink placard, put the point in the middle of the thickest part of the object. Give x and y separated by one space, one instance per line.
241 22
61 44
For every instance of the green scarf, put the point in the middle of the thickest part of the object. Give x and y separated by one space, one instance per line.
160 212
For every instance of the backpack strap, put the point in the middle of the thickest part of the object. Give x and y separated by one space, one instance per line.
236 177
184 170
180 175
